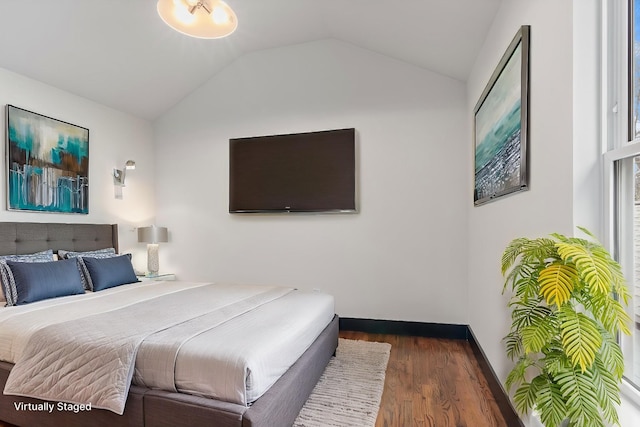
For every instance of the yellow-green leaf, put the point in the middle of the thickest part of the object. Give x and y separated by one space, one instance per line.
619 283
607 390
556 283
550 403
580 337
611 355
579 397
593 269
538 334
617 318
512 252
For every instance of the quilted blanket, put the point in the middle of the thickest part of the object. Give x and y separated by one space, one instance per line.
91 360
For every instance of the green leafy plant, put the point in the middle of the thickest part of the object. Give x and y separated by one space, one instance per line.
566 310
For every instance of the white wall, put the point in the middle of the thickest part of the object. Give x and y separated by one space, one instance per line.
114 137
588 197
548 206
566 148
402 257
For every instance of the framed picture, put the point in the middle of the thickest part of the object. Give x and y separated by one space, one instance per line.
501 126
47 164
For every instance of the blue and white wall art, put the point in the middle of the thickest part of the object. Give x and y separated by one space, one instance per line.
501 119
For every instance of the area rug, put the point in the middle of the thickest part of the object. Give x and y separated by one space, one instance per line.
349 391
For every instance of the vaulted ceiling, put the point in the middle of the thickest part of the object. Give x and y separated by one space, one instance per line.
119 52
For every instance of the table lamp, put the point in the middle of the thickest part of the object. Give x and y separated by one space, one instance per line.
153 235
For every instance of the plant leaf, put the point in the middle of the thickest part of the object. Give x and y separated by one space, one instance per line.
580 398
539 251
592 268
556 283
538 334
610 313
611 354
550 404
607 390
517 374
525 396
619 282
527 287
512 252
587 232
555 361
580 337
513 344
525 313
524 281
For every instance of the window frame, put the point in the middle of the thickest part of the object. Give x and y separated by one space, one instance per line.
618 143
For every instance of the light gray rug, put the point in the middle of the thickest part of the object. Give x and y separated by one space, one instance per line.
348 393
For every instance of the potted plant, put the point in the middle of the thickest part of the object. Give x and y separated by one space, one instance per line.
566 310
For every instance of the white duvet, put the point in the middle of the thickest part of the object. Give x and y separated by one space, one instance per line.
236 361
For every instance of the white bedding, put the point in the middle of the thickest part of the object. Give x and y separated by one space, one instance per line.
236 361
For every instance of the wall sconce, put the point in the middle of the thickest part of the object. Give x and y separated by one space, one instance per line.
120 174
153 235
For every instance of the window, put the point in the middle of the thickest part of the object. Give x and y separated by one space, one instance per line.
623 159
634 74
627 194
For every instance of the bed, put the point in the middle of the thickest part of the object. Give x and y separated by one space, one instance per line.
145 404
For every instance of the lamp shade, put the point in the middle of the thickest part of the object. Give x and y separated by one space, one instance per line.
153 234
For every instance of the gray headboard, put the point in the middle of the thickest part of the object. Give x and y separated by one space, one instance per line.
29 237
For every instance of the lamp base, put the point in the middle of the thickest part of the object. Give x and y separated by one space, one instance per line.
153 263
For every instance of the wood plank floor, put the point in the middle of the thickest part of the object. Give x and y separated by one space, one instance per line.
431 383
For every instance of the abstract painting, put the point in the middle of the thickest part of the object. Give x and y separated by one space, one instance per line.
501 125
47 164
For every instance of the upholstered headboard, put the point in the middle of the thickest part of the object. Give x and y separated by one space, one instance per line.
30 237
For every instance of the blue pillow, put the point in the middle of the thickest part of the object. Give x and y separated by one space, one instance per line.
7 292
107 273
42 280
100 253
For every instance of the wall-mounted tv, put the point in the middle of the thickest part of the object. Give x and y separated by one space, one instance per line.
302 172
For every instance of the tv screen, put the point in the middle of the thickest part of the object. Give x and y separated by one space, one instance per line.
302 172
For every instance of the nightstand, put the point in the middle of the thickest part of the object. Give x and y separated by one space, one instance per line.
163 277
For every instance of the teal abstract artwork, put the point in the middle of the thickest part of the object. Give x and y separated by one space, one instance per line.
47 164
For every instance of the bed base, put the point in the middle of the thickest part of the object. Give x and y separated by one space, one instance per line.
279 406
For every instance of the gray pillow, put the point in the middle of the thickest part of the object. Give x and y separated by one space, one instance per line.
97 253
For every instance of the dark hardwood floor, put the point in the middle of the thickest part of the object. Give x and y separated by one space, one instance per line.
431 383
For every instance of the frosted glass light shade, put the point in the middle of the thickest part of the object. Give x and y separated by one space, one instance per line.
205 19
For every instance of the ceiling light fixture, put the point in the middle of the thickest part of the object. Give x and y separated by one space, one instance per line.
205 19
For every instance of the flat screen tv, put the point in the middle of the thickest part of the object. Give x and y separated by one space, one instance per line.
302 172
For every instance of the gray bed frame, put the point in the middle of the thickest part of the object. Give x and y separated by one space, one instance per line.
279 406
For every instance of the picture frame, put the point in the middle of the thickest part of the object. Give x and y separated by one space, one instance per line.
501 125
47 163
